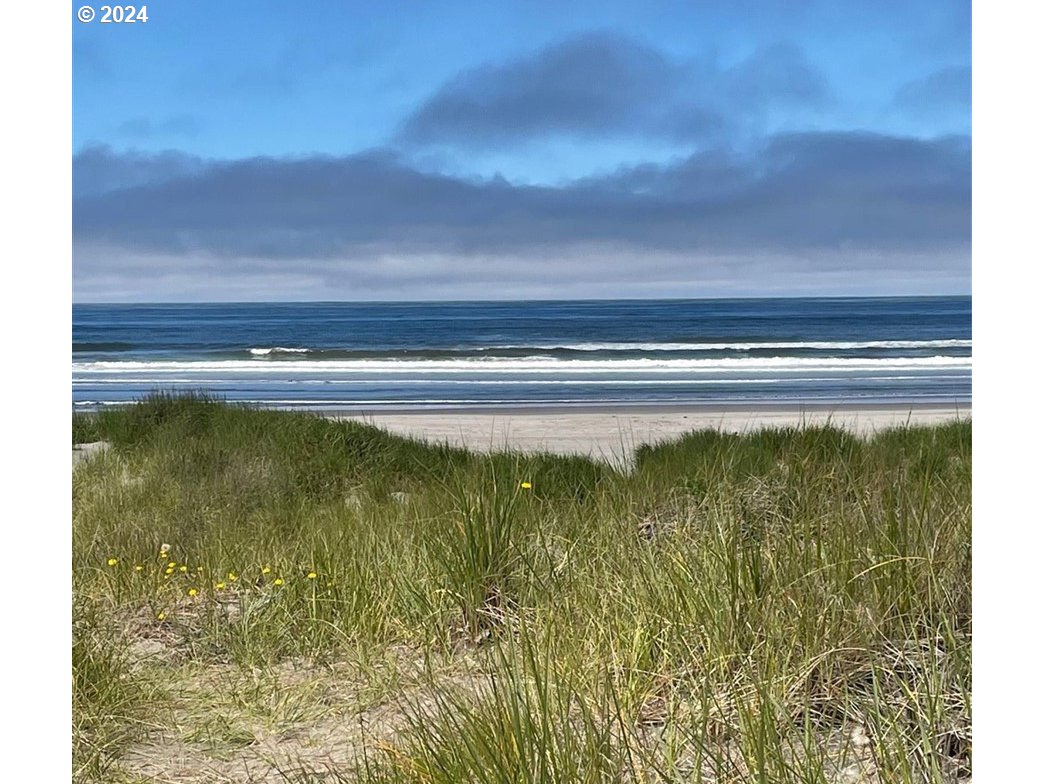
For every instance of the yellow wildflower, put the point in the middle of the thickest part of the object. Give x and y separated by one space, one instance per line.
160 616
278 581
138 568
183 569
231 577
199 569
168 571
172 564
220 586
193 592
113 561
312 575
266 569
525 485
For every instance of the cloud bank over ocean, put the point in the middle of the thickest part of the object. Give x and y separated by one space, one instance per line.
799 192
716 174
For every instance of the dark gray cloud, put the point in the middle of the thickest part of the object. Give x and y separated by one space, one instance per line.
798 192
97 170
586 85
604 84
945 90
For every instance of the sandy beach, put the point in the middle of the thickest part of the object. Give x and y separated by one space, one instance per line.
612 434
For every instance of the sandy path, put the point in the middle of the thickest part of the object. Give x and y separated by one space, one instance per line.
83 451
613 434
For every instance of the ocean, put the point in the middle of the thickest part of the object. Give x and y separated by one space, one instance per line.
435 355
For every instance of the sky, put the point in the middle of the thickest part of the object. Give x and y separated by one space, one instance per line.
522 150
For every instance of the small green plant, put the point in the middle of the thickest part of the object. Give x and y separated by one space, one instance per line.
111 703
478 553
85 429
522 722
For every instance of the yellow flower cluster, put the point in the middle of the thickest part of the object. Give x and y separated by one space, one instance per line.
170 568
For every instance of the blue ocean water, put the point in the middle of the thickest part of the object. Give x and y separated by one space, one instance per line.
387 356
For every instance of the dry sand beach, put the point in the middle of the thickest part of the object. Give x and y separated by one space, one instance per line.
613 434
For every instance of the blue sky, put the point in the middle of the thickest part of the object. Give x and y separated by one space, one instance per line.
520 149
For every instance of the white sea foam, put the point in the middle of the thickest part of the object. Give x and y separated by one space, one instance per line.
467 382
676 346
498 382
536 365
264 352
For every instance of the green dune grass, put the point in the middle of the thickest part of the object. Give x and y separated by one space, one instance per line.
311 600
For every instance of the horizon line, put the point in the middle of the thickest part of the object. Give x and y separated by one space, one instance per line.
526 300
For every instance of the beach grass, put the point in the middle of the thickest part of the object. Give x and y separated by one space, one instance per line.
275 596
